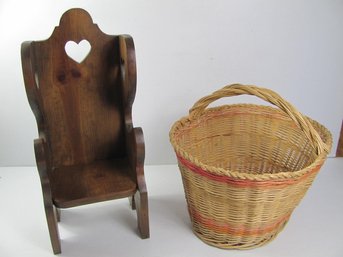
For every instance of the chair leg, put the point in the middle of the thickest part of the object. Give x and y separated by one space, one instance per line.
141 204
51 218
132 202
58 214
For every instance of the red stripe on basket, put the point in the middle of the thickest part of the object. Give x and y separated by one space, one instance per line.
243 182
236 230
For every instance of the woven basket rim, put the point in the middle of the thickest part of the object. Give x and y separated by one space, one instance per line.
185 121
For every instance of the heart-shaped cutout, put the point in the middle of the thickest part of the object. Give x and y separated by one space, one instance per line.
78 52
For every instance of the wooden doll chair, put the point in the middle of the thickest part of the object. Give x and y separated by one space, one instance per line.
88 150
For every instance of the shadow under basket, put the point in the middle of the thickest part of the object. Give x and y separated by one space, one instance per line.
246 167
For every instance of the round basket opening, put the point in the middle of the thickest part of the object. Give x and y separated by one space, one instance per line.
247 138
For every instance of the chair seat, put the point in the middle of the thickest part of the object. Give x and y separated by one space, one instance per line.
98 181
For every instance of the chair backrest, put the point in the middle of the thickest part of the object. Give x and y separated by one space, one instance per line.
81 108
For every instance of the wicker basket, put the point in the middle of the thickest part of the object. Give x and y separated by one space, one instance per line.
246 167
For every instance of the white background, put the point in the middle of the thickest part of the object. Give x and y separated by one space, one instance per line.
186 49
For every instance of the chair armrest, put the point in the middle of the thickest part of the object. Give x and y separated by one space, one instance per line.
136 153
31 86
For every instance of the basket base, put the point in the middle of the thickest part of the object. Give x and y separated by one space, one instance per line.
239 242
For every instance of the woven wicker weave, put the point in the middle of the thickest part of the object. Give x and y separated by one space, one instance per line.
246 167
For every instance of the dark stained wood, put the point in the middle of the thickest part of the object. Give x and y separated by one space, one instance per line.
88 149
58 214
141 196
40 147
90 183
82 103
339 151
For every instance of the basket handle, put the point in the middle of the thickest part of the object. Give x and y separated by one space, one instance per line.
269 96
